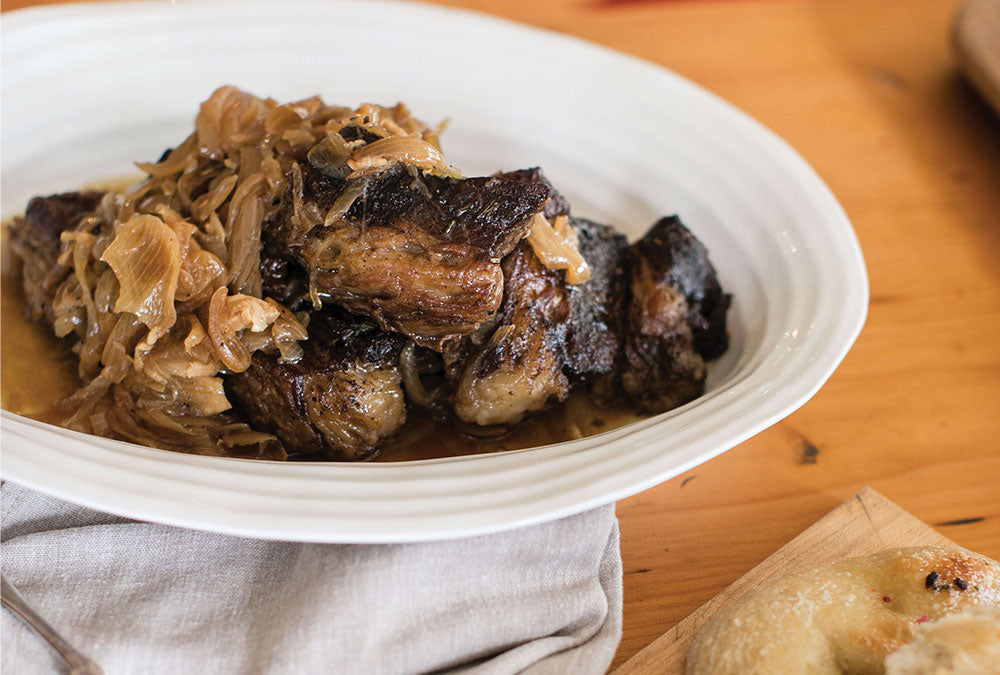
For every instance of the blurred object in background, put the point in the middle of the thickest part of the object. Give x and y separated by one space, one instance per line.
976 41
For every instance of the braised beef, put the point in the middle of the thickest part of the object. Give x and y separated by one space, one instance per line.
35 242
675 319
339 400
418 253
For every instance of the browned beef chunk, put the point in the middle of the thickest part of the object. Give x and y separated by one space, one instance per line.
283 279
549 335
34 241
339 400
489 213
676 318
418 253
519 368
557 204
594 332
406 279
677 258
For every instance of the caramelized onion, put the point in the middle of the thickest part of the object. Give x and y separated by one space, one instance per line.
206 204
145 256
227 317
213 237
330 156
242 436
200 271
345 200
303 219
410 150
412 383
176 160
282 118
557 248
230 118
287 331
196 334
228 347
121 341
205 395
170 360
77 256
243 248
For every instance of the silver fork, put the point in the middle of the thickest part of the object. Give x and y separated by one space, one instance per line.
78 663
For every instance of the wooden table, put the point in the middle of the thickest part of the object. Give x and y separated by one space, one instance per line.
868 92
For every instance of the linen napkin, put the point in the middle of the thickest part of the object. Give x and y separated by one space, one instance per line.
144 598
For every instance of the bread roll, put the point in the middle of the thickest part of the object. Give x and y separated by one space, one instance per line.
843 617
967 643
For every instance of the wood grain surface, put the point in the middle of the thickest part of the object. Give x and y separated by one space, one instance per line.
871 95
866 523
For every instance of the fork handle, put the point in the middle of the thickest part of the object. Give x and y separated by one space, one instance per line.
78 663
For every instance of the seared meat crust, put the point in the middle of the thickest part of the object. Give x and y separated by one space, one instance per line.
678 259
490 213
557 204
595 328
340 399
675 318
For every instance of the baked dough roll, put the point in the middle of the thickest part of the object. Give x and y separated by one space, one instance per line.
847 616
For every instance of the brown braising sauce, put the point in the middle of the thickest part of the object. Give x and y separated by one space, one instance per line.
425 438
36 367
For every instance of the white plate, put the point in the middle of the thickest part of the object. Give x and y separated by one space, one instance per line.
88 89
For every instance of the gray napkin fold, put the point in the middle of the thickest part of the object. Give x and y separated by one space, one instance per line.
144 598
